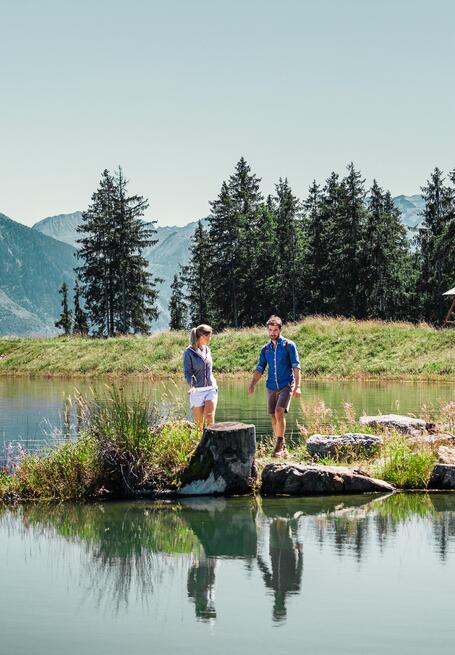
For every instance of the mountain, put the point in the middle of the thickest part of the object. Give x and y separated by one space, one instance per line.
410 208
61 227
32 269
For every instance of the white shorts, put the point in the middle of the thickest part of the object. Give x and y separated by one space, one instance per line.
199 395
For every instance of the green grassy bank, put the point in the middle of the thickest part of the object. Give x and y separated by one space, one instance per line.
328 348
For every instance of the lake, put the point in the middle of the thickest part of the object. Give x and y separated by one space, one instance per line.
346 575
41 412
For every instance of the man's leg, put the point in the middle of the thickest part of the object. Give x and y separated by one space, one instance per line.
280 429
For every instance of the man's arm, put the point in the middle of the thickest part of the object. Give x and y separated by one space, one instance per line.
297 391
254 380
260 368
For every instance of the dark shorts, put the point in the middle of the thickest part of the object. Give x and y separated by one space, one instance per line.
279 398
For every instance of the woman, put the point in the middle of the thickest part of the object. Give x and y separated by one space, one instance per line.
197 365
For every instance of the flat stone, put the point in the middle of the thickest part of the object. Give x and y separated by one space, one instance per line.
322 445
223 462
446 455
314 479
442 477
433 440
396 422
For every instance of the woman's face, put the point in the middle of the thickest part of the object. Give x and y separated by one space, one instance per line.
204 339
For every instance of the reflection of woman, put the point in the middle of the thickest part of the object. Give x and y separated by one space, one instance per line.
197 365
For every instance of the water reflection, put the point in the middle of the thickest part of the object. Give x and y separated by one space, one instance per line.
132 547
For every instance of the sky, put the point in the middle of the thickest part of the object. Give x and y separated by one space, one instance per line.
177 91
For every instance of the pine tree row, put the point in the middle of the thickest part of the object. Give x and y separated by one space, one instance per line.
342 251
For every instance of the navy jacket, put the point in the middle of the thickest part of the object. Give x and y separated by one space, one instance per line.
198 368
281 361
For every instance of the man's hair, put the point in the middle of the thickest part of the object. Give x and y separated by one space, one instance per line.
275 320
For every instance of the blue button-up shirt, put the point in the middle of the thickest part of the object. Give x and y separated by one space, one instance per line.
281 361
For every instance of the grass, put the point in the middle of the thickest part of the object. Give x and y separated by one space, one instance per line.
328 347
123 450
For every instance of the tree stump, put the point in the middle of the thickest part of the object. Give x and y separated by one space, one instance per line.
223 462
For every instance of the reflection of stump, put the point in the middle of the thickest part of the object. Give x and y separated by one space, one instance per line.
223 462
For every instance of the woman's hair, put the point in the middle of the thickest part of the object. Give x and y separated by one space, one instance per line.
199 331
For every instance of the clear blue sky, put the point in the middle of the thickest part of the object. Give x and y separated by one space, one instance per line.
176 91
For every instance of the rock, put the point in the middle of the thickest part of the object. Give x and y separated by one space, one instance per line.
433 440
403 424
313 479
446 455
442 477
223 462
321 445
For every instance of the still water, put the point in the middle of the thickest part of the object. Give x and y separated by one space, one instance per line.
359 574
41 412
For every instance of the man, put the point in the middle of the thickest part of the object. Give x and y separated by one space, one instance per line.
283 379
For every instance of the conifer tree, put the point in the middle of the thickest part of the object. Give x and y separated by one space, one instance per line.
119 292
437 270
177 304
80 325
64 322
230 225
384 259
197 278
136 288
348 225
289 253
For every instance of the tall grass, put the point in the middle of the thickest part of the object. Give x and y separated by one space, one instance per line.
328 347
124 449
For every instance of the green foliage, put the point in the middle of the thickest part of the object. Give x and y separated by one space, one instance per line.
197 278
80 325
436 245
64 322
327 347
70 472
177 305
405 465
119 293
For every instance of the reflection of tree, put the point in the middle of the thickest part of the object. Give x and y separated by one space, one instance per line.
200 586
286 560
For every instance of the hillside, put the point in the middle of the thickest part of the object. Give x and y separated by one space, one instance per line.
328 348
32 269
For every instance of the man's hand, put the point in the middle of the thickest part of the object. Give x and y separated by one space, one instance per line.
251 390
297 392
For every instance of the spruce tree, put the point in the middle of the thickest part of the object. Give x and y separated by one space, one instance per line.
196 276
230 227
348 225
177 304
64 322
136 295
80 325
119 292
437 271
289 251
384 259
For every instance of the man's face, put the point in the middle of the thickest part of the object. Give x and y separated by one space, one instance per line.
274 331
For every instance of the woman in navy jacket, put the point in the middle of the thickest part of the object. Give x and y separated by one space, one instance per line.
197 366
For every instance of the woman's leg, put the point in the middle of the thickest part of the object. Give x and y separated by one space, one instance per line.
198 415
209 411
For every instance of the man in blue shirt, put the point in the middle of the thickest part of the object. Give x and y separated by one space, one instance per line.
283 379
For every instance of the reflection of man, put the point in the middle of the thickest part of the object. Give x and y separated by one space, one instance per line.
201 580
283 379
287 565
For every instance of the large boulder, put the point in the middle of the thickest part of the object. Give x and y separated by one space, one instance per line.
442 477
314 479
223 462
397 423
343 445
